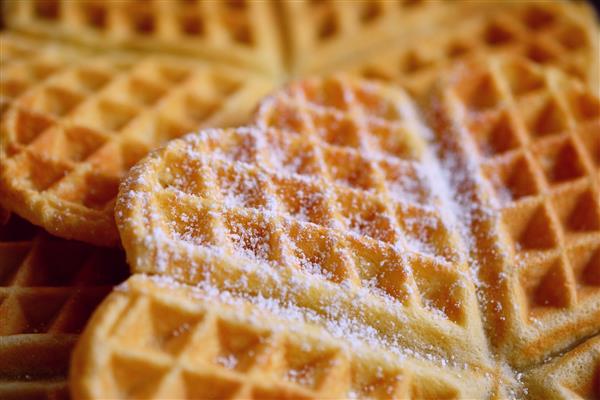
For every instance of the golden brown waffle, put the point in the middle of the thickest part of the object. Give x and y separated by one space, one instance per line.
561 34
156 339
530 139
334 200
48 289
575 375
67 141
238 32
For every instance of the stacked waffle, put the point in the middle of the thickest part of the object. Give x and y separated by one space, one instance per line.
48 289
352 241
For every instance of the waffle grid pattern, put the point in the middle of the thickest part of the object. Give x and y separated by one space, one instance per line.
71 139
538 147
244 352
45 300
235 31
333 30
370 225
24 65
548 34
213 196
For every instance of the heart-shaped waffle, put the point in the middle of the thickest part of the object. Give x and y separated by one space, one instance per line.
341 207
330 194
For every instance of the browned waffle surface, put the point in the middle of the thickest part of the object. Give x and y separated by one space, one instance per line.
299 37
333 31
574 375
531 139
67 141
24 63
48 289
457 245
336 199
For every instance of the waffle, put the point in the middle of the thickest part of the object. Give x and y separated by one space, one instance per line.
68 139
156 339
45 300
575 375
317 198
324 190
235 32
560 34
529 138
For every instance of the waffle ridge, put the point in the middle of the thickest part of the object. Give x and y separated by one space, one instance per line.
554 379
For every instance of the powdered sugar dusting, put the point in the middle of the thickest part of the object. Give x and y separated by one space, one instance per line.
279 219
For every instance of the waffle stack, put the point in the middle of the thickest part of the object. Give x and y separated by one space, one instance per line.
48 289
353 240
